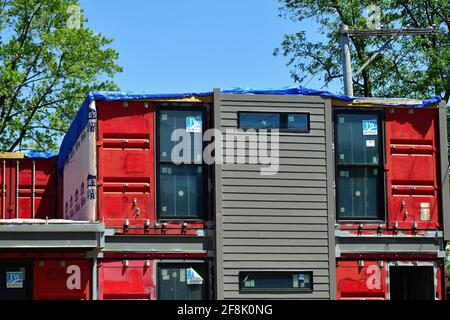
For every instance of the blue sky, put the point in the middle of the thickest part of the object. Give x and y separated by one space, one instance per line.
196 45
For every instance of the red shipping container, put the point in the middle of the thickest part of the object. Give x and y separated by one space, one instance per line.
61 280
384 280
126 280
412 148
28 188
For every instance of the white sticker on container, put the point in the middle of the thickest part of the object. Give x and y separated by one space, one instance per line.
358 193
174 274
164 154
164 272
164 169
342 209
425 214
375 171
166 277
291 118
164 117
370 143
180 193
169 170
182 275
375 159
342 156
341 120
164 209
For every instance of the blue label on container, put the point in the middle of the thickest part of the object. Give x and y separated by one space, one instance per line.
14 280
194 124
370 127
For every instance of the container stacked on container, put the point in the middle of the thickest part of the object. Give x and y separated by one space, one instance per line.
392 202
35 261
117 167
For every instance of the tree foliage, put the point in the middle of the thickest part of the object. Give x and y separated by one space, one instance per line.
49 60
410 66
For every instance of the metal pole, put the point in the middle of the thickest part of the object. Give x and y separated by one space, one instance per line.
33 190
17 189
94 278
346 61
4 190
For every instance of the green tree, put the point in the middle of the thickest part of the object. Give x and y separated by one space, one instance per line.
49 60
415 67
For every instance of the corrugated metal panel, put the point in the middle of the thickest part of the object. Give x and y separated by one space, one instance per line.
125 154
128 280
61 280
278 222
411 154
28 188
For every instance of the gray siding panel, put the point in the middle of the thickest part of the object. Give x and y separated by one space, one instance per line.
279 222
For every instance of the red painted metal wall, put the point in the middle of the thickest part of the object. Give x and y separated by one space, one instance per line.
411 154
126 282
125 161
61 280
24 181
369 279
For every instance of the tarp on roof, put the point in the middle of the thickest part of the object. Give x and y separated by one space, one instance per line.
40 155
82 116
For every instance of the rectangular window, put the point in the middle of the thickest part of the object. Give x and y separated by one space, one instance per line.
181 190
276 281
182 282
180 169
297 122
359 165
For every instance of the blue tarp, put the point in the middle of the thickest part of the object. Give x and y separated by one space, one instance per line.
82 116
40 155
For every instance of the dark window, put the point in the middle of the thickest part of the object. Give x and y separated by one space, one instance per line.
181 189
276 281
181 176
189 122
359 165
182 282
282 121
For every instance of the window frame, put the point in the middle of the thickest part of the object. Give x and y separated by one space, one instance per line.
281 114
179 265
381 166
158 163
275 290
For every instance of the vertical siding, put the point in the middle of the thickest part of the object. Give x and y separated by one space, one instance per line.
279 222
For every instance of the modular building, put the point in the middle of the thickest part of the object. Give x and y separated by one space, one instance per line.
296 194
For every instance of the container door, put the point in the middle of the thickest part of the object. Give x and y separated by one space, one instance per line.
5 187
15 280
360 280
412 168
61 280
37 189
125 163
126 280
411 283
